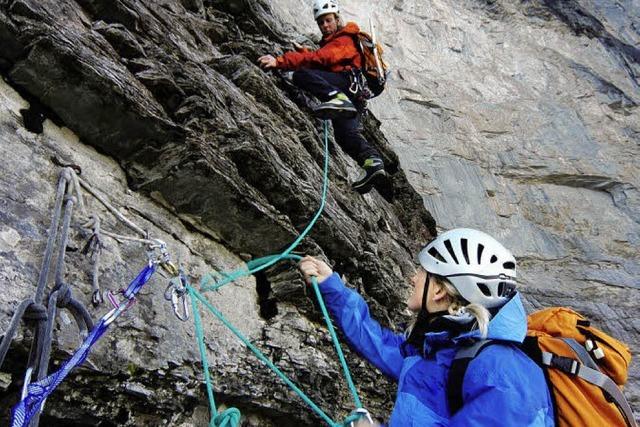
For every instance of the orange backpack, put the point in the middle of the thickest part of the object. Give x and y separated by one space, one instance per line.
584 367
374 69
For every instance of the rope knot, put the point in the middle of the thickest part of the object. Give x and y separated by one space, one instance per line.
67 173
64 296
36 312
228 418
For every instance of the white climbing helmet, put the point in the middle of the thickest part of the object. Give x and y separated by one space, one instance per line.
322 7
480 268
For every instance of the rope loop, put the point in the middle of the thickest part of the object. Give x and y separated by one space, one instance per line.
64 295
227 418
36 312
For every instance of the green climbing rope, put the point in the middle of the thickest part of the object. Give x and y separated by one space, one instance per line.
332 331
231 417
194 294
203 358
336 344
266 262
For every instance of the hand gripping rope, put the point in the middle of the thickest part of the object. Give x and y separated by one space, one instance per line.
231 417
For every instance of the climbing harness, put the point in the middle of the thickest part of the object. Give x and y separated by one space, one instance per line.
33 311
231 416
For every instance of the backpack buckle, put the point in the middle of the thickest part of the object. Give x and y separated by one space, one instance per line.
565 364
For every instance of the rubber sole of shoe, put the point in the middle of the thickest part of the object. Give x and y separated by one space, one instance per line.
330 113
367 186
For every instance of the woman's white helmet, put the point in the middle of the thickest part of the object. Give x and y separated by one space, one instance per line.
477 265
322 7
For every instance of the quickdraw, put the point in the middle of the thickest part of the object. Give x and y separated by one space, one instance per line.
176 292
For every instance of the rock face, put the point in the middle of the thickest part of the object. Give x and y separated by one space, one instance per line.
517 118
192 141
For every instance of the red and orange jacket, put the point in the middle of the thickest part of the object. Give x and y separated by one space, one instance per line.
338 52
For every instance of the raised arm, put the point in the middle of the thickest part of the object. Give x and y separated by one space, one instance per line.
380 346
330 54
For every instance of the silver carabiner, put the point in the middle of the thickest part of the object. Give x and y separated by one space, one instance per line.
353 88
363 413
176 293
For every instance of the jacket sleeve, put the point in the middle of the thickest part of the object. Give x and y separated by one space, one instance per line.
337 51
503 387
380 346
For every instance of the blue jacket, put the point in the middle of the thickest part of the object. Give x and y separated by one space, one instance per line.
502 386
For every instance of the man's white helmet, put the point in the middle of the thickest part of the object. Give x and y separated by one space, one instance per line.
322 7
477 265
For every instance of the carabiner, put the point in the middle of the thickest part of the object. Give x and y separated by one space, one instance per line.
363 413
176 292
117 304
158 258
353 88
118 307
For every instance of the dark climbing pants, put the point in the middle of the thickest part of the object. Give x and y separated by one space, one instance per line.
348 132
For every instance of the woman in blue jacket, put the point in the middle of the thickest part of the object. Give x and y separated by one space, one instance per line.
463 291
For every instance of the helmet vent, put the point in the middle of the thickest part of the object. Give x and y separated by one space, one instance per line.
493 259
505 289
434 253
484 288
465 250
447 244
509 265
480 250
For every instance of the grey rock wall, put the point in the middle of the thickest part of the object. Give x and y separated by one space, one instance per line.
173 121
518 118
521 118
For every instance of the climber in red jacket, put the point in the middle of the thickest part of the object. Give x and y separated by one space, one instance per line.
330 73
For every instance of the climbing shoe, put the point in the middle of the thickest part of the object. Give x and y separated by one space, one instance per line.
338 107
373 170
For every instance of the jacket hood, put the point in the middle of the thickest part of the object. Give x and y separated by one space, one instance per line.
350 29
509 324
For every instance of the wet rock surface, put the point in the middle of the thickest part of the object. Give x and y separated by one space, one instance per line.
517 118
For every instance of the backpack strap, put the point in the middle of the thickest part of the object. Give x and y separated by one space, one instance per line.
581 352
459 366
587 369
584 368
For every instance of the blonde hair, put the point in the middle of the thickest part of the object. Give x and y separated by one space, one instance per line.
459 306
